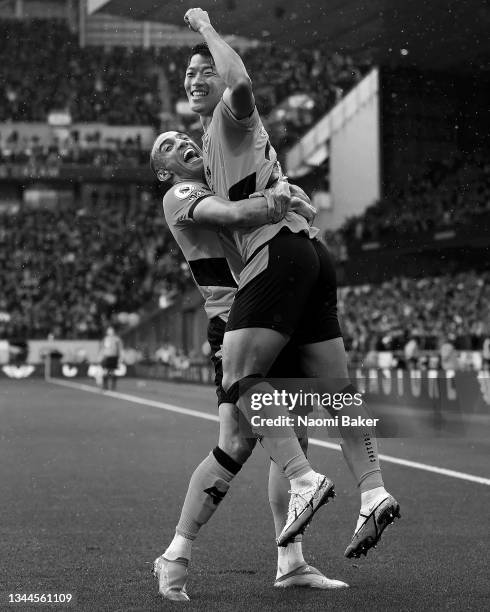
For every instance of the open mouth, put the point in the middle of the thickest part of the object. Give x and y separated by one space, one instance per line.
199 93
190 154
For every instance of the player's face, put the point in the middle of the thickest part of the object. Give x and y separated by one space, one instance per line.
203 86
180 155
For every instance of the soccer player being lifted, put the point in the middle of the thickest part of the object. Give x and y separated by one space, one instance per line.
199 221
287 290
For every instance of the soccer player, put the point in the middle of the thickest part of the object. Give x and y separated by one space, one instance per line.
111 349
287 288
198 221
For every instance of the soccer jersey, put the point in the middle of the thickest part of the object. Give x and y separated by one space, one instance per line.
212 255
111 346
239 159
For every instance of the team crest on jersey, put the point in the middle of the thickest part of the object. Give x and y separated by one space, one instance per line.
184 191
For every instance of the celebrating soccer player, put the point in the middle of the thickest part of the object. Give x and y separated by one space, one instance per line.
197 219
286 289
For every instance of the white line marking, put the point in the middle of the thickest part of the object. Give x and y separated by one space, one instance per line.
315 441
136 400
413 464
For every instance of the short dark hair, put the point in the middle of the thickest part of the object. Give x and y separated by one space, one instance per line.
200 49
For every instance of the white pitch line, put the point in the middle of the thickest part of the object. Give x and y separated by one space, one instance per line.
135 399
315 441
413 464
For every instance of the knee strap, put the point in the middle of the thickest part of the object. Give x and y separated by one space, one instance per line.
237 389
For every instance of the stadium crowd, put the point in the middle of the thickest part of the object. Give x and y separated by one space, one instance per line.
292 87
451 194
70 270
67 271
42 68
430 311
121 86
94 151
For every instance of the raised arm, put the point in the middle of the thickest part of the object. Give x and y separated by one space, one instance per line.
239 94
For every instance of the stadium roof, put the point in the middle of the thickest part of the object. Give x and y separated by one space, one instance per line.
437 34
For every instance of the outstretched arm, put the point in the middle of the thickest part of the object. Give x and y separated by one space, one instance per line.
239 94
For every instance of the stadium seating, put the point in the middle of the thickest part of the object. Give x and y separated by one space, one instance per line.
67 271
451 194
431 310
120 86
116 86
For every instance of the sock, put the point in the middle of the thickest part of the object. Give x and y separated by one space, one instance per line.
368 497
281 443
278 497
208 485
288 454
180 547
291 556
360 448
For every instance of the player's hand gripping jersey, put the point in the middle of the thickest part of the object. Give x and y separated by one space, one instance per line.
239 160
211 254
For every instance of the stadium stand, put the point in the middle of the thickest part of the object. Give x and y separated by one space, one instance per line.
451 194
117 86
431 310
31 152
69 270
120 85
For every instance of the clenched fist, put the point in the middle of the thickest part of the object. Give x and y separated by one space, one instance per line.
196 19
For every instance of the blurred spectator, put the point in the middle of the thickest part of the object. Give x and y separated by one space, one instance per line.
448 355
411 352
166 353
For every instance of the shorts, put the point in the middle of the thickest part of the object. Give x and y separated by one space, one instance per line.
287 364
110 363
296 294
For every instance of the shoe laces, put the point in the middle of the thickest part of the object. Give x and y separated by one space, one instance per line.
299 499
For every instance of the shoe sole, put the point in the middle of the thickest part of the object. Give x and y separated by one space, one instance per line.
311 582
299 526
385 518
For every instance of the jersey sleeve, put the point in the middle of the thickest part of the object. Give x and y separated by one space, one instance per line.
180 201
246 124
